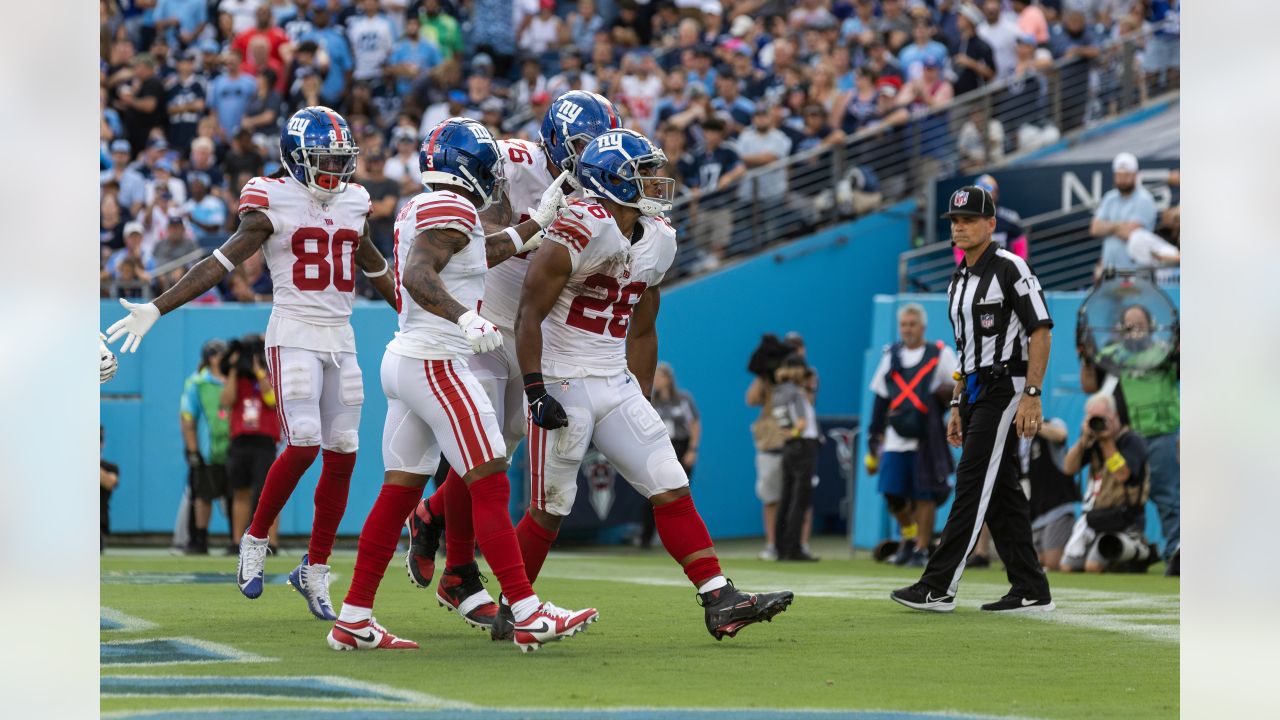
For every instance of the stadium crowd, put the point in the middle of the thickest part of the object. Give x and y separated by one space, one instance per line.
194 92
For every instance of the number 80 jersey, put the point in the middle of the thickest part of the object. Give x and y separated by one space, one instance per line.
311 256
586 332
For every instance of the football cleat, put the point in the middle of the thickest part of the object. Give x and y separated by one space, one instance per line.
504 623
550 624
253 556
461 590
425 531
728 609
312 582
366 635
922 597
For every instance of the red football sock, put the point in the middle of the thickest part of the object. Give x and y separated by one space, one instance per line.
535 543
459 531
378 541
282 478
683 533
497 538
331 503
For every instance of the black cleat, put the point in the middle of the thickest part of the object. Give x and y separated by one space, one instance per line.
1017 604
728 609
461 590
425 531
922 597
504 623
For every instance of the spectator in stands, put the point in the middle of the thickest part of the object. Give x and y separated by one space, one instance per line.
494 29
761 144
133 251
975 151
372 37
684 424
264 28
1010 233
412 57
403 166
241 12
1074 41
974 61
180 22
923 47
185 101
384 195
639 89
1054 492
242 159
132 195
541 31
1000 31
248 398
1148 400
206 212
259 61
1031 21
894 24
1126 207
732 108
857 108
230 92
441 28
906 441
108 481
205 435
204 160
176 243
583 23
707 174
1116 459
141 101
1162 54
340 63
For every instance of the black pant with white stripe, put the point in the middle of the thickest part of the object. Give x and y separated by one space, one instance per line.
987 486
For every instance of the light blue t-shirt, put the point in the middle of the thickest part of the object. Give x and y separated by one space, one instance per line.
229 97
1140 207
422 53
340 61
913 56
188 13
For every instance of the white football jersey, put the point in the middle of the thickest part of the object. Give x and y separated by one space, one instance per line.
311 256
524 164
586 332
423 334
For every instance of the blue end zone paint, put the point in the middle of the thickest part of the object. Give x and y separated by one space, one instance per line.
105 624
586 714
300 688
110 619
118 578
169 651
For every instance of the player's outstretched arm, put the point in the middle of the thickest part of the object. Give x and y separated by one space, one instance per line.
527 235
253 232
548 274
431 251
642 339
376 268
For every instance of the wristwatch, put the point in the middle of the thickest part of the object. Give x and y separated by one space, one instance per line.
1032 391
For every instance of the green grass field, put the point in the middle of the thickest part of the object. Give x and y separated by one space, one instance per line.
1110 650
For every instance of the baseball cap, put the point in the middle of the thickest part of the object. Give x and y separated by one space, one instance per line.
932 62
175 218
492 104
121 146
212 347
972 14
158 144
539 98
987 182
132 227
457 96
191 55
971 200
741 26
1124 162
403 134
199 177
481 59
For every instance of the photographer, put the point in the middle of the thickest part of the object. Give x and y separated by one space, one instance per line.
794 413
766 435
1118 487
205 436
255 427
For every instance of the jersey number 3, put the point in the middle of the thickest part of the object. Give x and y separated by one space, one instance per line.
614 309
313 248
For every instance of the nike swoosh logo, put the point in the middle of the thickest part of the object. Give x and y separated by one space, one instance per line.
543 627
577 214
1026 602
361 638
928 597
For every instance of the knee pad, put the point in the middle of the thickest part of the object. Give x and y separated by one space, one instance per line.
895 503
345 442
666 474
303 431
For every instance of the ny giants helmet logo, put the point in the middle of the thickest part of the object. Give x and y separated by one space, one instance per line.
298 126
961 198
612 141
568 112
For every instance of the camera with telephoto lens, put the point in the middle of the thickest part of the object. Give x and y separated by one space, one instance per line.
241 352
1098 424
1127 552
768 356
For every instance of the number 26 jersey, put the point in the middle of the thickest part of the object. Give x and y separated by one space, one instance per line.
586 332
311 256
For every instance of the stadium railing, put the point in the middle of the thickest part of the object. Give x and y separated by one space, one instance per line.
884 164
146 289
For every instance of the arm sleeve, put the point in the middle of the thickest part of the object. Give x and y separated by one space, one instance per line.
1028 299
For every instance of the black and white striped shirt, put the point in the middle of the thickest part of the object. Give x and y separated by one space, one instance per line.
994 306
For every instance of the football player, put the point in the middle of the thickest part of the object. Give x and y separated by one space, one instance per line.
312 227
588 346
573 120
435 405
107 362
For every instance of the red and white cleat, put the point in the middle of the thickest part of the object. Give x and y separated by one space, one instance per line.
549 624
461 590
366 635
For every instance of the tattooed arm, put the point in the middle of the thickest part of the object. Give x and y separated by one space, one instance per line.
252 234
421 275
499 246
375 268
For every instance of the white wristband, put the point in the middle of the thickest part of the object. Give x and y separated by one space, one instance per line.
217 255
380 273
515 238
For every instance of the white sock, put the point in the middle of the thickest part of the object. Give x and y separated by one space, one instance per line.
354 613
714 583
525 608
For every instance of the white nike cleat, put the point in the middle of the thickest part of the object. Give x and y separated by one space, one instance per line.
366 635
549 624
312 582
253 557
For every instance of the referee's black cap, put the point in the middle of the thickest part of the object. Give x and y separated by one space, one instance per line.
971 200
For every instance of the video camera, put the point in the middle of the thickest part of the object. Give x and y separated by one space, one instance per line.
241 352
768 357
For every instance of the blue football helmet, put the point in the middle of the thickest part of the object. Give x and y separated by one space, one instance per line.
573 120
462 152
619 165
317 149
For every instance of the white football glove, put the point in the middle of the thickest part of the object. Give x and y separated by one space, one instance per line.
551 202
107 363
136 324
480 333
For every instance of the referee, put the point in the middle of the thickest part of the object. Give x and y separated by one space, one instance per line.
1002 330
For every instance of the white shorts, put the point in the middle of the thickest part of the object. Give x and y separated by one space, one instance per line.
612 413
499 374
769 477
434 407
318 397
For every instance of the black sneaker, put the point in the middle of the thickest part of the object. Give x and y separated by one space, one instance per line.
906 549
728 609
1017 604
462 583
425 531
1172 569
923 597
504 623
919 558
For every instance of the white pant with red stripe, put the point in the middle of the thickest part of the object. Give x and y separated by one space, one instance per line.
612 413
318 397
499 374
434 407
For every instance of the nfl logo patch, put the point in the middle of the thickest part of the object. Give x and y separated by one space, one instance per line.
961 198
987 320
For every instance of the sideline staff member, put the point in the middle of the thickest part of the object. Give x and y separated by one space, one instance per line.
1002 338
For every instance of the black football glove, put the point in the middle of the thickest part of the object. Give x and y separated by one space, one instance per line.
546 411
194 459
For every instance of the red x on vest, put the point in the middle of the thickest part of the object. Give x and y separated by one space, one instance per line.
909 389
